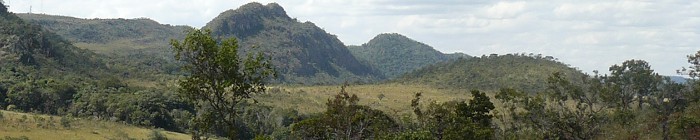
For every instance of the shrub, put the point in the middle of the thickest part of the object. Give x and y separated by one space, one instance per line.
156 135
65 122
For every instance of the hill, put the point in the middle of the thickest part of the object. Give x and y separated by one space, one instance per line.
30 46
110 35
679 79
302 52
136 49
528 73
394 54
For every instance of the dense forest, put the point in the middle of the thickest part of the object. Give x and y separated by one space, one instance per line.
222 81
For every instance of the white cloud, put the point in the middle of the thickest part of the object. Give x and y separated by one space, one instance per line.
589 34
504 9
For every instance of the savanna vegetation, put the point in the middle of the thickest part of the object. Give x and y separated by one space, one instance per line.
214 84
395 54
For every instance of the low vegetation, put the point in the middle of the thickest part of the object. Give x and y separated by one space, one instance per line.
35 126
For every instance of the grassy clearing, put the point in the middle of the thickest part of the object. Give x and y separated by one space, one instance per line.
396 98
52 127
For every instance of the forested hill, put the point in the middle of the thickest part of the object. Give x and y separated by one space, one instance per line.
109 35
301 52
518 71
394 54
30 46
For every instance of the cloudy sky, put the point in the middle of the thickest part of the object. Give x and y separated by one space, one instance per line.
588 34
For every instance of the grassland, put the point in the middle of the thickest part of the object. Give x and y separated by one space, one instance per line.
46 127
396 98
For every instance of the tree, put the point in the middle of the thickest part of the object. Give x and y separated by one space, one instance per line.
634 78
345 119
550 115
453 120
694 70
666 101
217 79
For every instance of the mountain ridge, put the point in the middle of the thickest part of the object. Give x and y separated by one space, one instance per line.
302 52
109 35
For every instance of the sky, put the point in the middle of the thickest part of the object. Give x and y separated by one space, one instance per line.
587 34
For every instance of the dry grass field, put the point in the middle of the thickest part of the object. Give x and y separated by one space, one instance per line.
44 127
393 99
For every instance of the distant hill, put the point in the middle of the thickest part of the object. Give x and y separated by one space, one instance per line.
135 48
302 52
394 54
110 35
28 45
528 73
678 79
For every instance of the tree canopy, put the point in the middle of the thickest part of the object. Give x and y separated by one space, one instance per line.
217 80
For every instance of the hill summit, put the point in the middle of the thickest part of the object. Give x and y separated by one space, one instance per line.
302 52
394 54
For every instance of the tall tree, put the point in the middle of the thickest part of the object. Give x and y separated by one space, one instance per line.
694 70
217 79
634 78
668 100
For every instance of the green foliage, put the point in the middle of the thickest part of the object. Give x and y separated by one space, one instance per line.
634 78
478 109
452 120
218 80
566 110
345 119
66 122
158 108
687 124
528 73
156 135
694 69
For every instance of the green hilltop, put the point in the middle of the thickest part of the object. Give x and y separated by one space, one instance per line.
394 54
517 71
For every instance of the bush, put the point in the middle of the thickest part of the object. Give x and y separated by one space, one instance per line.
16 138
156 135
65 122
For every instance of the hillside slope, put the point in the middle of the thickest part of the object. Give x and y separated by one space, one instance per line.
302 52
109 35
394 54
137 49
528 73
28 45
